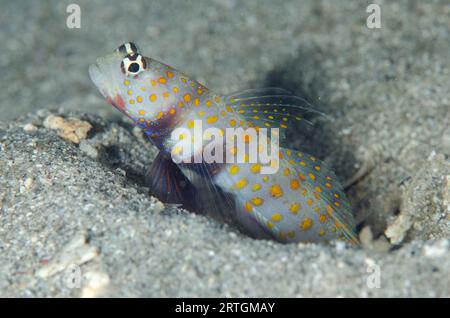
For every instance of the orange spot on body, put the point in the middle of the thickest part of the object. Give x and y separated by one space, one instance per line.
276 217
306 224
240 184
234 169
212 119
256 168
329 209
322 218
248 207
256 187
257 201
276 191
294 208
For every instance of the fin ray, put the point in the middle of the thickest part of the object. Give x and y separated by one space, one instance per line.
168 183
271 107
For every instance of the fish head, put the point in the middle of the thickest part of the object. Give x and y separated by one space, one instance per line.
127 80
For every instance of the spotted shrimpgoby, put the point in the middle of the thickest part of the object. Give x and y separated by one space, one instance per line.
302 202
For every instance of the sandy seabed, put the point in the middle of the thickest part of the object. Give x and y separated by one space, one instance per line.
82 200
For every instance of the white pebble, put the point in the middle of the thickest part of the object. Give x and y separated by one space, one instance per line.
30 127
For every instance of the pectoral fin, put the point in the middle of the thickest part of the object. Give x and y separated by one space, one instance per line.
168 183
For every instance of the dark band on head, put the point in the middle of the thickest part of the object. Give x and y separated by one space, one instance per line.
128 48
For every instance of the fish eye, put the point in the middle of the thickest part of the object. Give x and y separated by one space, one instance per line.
133 68
128 48
133 64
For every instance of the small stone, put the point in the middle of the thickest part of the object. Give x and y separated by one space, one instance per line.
436 250
29 127
381 245
156 205
138 132
53 122
73 130
96 285
340 246
89 149
446 195
396 232
76 252
366 237
27 183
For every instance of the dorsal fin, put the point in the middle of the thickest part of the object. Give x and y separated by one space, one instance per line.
270 107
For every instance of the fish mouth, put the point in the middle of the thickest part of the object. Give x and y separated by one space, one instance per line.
99 80
105 85
104 76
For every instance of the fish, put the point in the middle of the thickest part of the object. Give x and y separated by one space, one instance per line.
290 197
